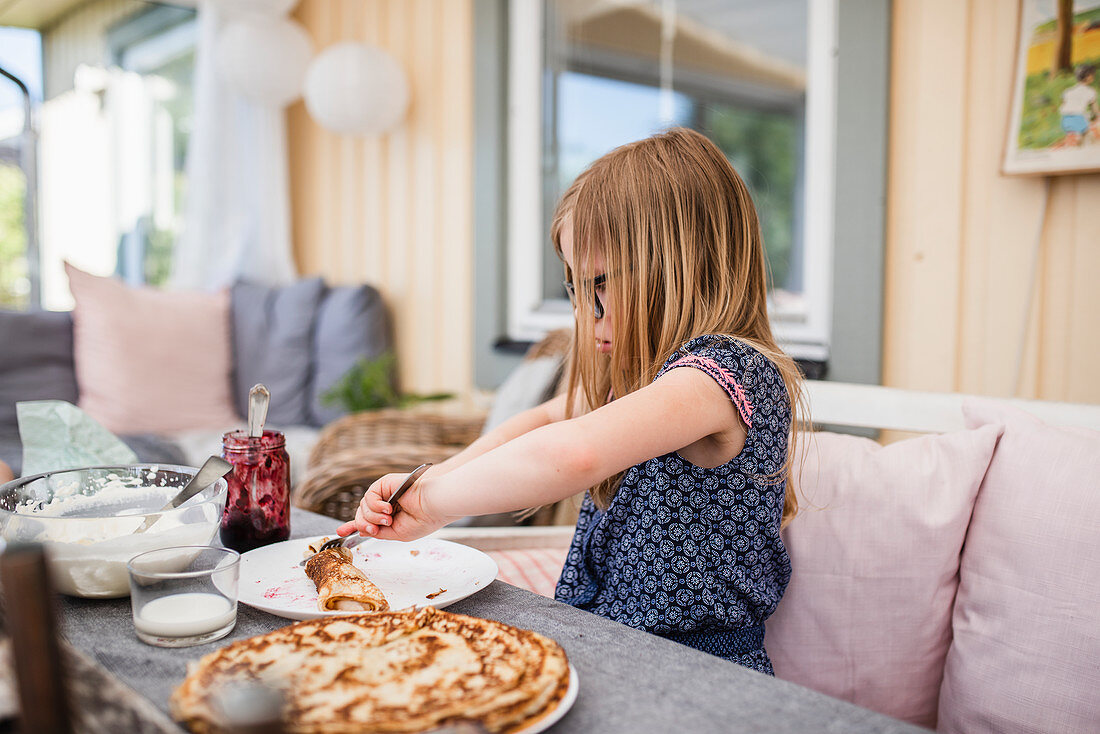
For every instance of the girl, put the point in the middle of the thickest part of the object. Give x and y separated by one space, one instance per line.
687 468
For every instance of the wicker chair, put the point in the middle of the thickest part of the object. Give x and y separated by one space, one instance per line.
353 451
357 449
364 431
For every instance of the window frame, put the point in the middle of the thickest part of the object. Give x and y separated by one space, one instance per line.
529 317
137 45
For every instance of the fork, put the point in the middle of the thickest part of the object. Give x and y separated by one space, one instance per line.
349 541
353 540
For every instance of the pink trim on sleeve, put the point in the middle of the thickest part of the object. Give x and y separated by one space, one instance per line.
724 378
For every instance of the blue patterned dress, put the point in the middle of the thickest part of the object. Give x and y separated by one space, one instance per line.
688 553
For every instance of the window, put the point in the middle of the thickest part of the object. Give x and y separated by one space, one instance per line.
14 282
155 104
756 76
20 57
113 130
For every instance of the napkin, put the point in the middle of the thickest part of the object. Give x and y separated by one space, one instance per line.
58 435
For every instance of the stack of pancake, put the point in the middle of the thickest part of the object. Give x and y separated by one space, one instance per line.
386 672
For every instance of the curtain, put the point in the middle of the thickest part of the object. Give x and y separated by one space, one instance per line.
237 213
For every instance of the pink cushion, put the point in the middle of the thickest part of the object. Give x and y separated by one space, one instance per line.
875 552
150 361
534 569
1026 653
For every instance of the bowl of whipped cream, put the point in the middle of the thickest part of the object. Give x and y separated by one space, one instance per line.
88 520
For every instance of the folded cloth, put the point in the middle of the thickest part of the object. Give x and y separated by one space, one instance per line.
58 435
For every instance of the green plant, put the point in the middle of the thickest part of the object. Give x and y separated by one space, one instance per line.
13 238
369 385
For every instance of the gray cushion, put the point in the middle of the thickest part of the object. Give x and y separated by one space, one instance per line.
36 361
532 383
155 449
272 344
11 450
352 322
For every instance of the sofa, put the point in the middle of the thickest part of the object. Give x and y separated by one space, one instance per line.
169 371
951 580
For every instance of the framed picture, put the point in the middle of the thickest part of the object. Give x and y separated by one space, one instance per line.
1055 122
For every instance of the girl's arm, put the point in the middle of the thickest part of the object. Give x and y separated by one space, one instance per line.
551 411
558 460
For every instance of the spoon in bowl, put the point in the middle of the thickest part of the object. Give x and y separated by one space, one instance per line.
211 471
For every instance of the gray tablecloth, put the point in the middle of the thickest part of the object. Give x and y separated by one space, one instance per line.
630 681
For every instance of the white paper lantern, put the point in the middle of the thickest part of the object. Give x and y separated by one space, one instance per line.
273 8
265 58
356 88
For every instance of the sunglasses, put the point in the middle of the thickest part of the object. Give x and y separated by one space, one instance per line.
598 282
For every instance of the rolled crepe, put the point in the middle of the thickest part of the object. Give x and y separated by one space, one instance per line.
341 586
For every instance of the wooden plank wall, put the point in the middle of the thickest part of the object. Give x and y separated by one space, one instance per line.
396 210
961 237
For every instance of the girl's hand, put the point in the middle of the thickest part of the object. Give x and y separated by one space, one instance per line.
375 518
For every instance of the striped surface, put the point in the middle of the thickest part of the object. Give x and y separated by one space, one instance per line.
396 210
534 569
960 258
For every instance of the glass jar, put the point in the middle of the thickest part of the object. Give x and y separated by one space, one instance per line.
257 508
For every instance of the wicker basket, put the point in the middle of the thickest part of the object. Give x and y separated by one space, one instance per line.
335 488
353 451
364 431
357 449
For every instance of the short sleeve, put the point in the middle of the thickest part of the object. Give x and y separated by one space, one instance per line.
752 382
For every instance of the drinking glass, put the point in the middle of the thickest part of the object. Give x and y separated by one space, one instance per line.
185 595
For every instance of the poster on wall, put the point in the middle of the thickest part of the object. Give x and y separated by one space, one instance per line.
1055 122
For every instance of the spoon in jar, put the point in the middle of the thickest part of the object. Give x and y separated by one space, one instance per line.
258 400
259 397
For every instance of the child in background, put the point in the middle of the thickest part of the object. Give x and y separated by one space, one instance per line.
1079 106
677 414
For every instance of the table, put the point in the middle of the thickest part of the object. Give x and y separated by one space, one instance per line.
630 681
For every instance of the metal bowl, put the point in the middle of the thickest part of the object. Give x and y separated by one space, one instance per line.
86 519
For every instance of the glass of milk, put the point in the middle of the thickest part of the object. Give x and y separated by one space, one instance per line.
185 595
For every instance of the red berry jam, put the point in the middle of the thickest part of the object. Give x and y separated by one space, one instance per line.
257 507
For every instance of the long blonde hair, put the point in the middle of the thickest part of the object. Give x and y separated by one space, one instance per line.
684 256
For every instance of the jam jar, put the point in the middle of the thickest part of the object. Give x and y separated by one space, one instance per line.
257 507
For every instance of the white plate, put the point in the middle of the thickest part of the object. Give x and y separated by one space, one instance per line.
560 710
421 573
